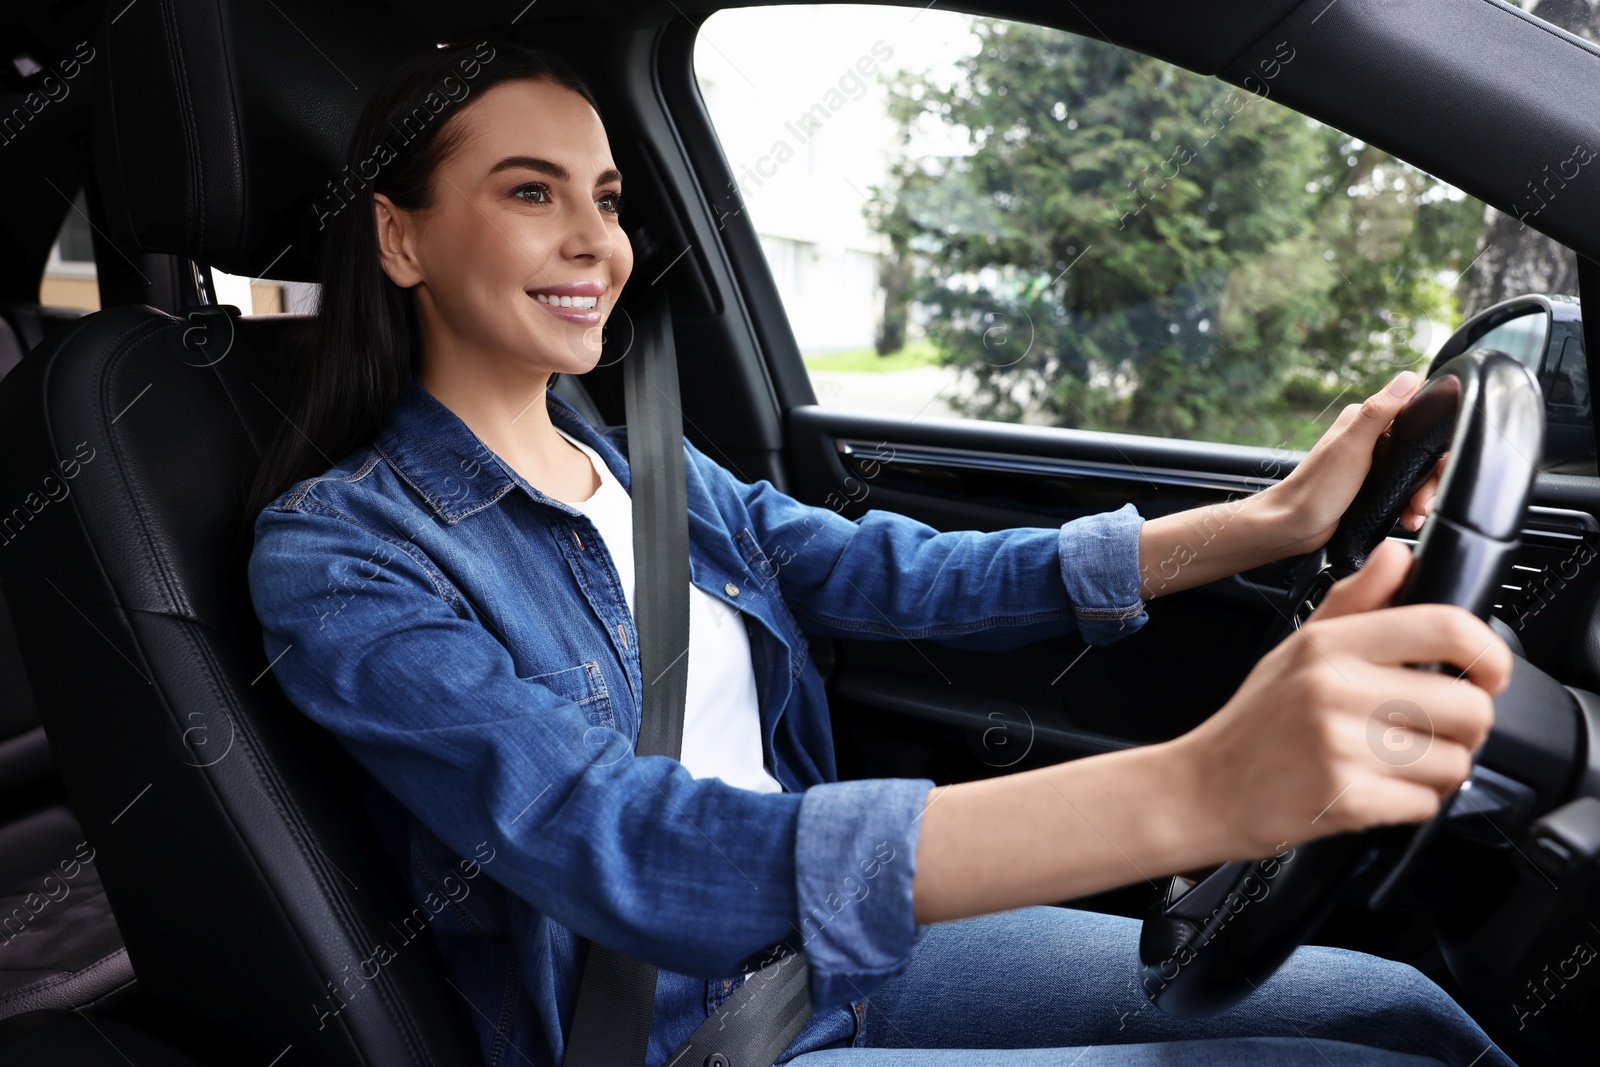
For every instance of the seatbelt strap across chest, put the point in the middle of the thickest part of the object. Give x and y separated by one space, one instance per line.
616 997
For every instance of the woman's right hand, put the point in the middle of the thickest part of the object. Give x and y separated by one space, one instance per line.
1333 731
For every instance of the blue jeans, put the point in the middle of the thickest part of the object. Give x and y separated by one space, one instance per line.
1057 987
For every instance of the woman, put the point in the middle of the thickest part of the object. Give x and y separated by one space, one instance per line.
451 593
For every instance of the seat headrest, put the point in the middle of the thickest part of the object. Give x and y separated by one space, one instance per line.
220 124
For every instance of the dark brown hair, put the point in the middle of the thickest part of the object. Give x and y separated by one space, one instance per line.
365 343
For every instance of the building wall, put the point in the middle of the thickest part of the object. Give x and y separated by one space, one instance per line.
805 132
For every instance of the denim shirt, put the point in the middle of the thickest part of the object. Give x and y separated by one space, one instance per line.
466 639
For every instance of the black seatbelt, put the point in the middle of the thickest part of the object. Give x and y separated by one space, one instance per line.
753 1026
616 997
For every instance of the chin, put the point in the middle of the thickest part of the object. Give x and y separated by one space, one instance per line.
573 353
571 362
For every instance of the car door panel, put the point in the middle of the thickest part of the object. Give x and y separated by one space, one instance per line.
916 707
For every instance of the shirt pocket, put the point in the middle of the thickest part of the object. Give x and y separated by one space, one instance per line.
585 686
777 613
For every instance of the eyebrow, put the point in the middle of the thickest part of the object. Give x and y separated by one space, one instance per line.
555 170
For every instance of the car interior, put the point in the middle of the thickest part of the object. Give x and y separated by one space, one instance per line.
188 865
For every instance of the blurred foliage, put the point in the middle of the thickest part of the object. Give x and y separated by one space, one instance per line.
1111 242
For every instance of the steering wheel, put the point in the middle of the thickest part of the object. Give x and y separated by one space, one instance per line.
1207 945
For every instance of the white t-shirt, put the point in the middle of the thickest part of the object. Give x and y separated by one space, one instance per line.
721 723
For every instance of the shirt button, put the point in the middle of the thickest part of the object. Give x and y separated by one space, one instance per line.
731 589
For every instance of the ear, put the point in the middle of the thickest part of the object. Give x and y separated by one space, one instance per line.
396 231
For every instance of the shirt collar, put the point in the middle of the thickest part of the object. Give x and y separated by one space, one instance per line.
439 456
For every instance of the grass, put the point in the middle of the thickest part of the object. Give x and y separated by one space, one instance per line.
867 361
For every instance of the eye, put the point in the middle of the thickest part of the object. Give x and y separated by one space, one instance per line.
610 202
542 190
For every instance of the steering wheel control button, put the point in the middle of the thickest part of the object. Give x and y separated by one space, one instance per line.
1490 808
1308 604
1566 842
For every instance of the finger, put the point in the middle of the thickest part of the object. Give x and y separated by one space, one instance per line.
1384 800
1420 506
1373 586
1422 501
1424 704
1439 764
1367 420
1400 745
1423 633
1418 510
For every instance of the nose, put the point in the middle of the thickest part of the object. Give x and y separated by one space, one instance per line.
590 236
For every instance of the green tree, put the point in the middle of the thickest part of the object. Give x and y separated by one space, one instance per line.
1117 243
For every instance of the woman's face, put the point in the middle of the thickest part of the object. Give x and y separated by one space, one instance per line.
523 223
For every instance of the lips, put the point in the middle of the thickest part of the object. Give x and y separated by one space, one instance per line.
559 300
580 288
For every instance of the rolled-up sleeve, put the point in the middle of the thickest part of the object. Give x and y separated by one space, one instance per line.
854 857
889 576
1100 568
368 639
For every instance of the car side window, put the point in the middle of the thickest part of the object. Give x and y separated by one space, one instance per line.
70 279
973 218
264 296
1522 339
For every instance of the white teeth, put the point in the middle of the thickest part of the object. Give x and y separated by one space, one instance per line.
567 301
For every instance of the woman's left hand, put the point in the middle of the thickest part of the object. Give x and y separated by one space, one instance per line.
1185 549
1316 494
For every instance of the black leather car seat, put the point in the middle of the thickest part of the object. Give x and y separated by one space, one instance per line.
231 834
31 324
59 944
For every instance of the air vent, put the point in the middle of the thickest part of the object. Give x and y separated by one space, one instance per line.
1559 548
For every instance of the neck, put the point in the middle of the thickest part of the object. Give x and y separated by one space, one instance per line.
505 408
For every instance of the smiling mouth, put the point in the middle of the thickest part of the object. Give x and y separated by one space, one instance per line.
578 310
567 301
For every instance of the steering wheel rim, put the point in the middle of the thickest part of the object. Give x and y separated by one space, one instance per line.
1207 945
